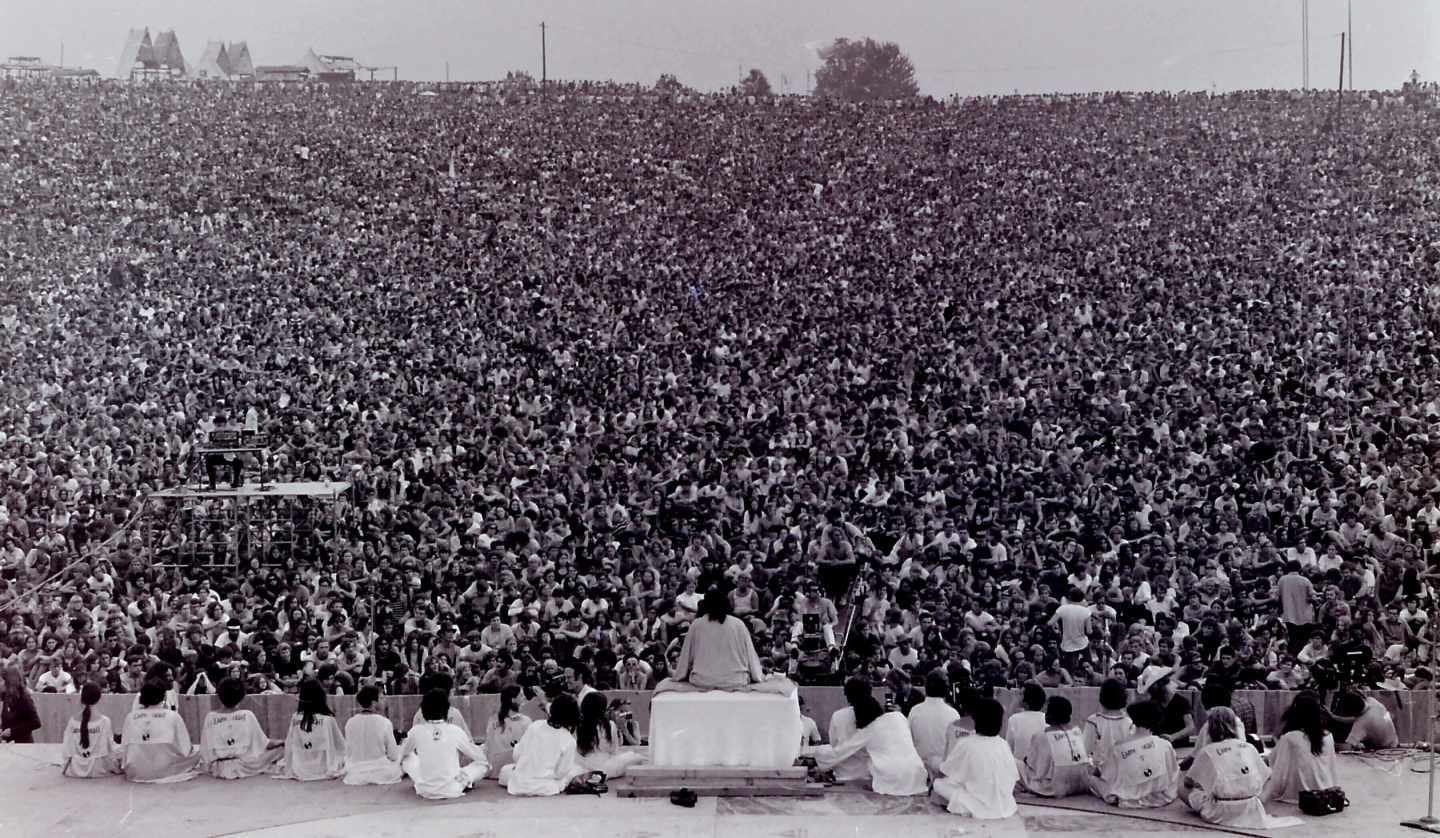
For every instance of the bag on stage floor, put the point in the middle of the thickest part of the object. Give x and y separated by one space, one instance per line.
1323 801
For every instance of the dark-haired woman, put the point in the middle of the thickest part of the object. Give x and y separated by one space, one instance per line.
895 766
1304 756
157 745
18 718
545 757
504 730
233 746
314 746
597 741
89 747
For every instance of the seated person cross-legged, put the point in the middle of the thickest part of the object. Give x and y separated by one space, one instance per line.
233 746
979 773
1056 763
718 654
431 756
1227 777
545 757
1142 771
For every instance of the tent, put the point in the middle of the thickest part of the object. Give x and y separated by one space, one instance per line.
137 49
215 63
239 55
168 55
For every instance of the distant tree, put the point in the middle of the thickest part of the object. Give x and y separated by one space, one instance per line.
755 84
668 84
865 71
520 78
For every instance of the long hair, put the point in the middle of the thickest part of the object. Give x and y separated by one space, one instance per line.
564 713
12 682
867 710
89 696
1222 724
593 722
715 605
509 703
1304 714
313 702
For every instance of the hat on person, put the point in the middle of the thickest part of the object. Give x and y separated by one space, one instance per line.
1151 677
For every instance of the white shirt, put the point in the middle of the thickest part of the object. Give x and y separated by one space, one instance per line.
895 765
545 761
437 747
62 683
1020 730
930 721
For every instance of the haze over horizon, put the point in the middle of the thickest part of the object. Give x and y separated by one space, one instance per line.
965 47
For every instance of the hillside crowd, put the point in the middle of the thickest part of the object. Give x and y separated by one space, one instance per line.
1031 391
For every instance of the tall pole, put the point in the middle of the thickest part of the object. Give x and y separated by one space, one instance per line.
1350 31
1340 86
447 72
62 55
1304 44
544 70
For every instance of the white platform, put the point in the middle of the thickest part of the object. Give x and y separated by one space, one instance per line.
750 730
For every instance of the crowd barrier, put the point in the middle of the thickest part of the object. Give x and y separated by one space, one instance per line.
1409 709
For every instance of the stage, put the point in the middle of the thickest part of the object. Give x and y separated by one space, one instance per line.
37 801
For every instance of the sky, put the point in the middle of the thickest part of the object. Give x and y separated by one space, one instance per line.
966 47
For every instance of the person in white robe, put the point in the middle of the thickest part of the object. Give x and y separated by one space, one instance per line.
233 746
165 675
884 738
1020 728
1227 777
372 756
1056 764
598 742
1109 727
545 757
454 717
1142 771
930 721
156 744
1303 758
842 727
979 773
314 745
504 730
88 750
431 756
719 654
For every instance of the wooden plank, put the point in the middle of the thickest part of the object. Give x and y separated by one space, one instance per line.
663 772
722 790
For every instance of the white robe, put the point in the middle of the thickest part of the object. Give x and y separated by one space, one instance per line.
1020 730
842 727
979 779
544 762
1224 785
431 757
930 722
1293 768
1142 773
98 760
233 746
157 747
1103 732
608 757
1056 764
315 754
895 765
500 741
454 717
372 756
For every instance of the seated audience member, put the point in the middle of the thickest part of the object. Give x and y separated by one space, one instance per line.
809 730
1056 763
431 756
55 679
979 773
1020 728
314 745
1141 771
89 747
842 727
545 757
1110 726
930 721
1372 729
884 738
504 730
372 756
164 674
233 746
1303 758
1227 777
155 742
18 717
598 742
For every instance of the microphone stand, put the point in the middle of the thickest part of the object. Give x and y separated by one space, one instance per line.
1429 823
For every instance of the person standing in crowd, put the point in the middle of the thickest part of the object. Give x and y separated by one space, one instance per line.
431 756
1227 777
156 744
979 774
233 746
1056 763
314 745
1297 608
88 750
372 756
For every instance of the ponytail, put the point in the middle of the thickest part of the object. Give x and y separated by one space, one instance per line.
85 727
89 696
508 704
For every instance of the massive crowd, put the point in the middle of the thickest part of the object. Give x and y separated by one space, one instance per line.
1030 390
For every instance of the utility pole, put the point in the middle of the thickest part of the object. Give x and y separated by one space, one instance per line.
1304 44
62 55
544 70
1340 87
447 72
1350 30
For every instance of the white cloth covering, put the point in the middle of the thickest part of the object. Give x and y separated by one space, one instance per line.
544 762
1056 763
930 722
157 747
314 754
1224 785
755 730
1293 768
842 727
431 757
1020 730
979 778
1103 731
1142 773
500 740
233 746
895 765
372 756
100 759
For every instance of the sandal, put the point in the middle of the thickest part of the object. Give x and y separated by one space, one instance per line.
684 797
